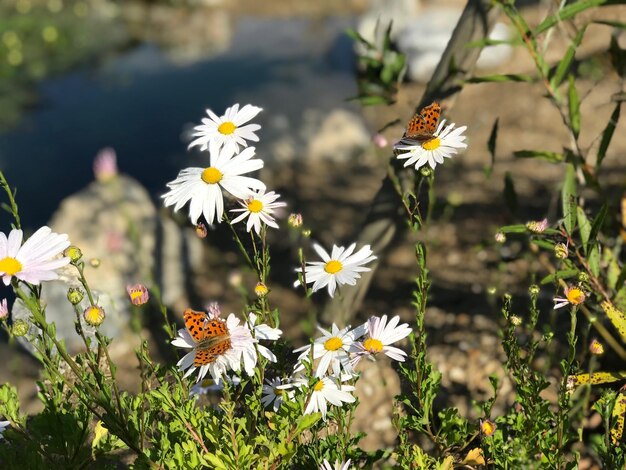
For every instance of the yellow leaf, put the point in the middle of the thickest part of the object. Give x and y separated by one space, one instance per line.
474 457
100 433
447 464
617 318
594 378
618 414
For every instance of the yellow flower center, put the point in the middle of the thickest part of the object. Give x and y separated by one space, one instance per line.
135 294
319 386
226 128
432 144
373 345
575 296
333 344
10 266
212 175
255 206
278 392
488 427
94 315
207 383
333 266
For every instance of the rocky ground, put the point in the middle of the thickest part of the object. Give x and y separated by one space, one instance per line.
464 262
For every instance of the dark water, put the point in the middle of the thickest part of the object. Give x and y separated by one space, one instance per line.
140 103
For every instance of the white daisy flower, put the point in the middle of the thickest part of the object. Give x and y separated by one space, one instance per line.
274 392
258 208
227 130
338 465
340 267
34 261
3 426
333 349
444 144
380 335
203 186
265 332
239 348
327 390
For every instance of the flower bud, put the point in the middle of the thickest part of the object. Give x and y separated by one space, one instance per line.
4 309
138 294
596 348
306 233
538 226
261 290
94 315
94 262
561 251
533 289
426 171
487 427
583 277
20 328
515 320
295 220
499 237
73 253
201 230
75 295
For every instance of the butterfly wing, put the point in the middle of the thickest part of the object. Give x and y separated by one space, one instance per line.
423 125
211 336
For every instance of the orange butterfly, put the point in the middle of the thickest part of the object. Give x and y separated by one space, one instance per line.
422 126
210 335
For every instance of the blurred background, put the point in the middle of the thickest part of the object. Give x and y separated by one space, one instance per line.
134 77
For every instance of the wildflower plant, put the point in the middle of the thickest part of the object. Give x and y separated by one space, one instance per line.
240 395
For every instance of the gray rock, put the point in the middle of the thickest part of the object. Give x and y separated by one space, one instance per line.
373 24
340 136
424 38
117 223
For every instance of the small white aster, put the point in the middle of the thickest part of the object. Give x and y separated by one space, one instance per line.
380 335
326 465
444 143
263 332
325 391
203 186
242 349
332 349
34 261
274 392
573 296
258 207
338 268
227 130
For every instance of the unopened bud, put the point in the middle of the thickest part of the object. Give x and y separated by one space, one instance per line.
487 427
306 233
596 348
94 315
73 253
295 220
499 237
515 320
19 328
261 290
538 226
426 171
561 251
94 262
583 277
533 289
75 295
201 230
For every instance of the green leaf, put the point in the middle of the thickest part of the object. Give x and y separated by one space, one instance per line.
306 421
493 42
507 77
370 100
584 227
510 196
491 146
570 11
597 223
573 102
519 228
614 24
607 134
566 62
594 260
563 274
546 244
552 157
357 37
568 199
